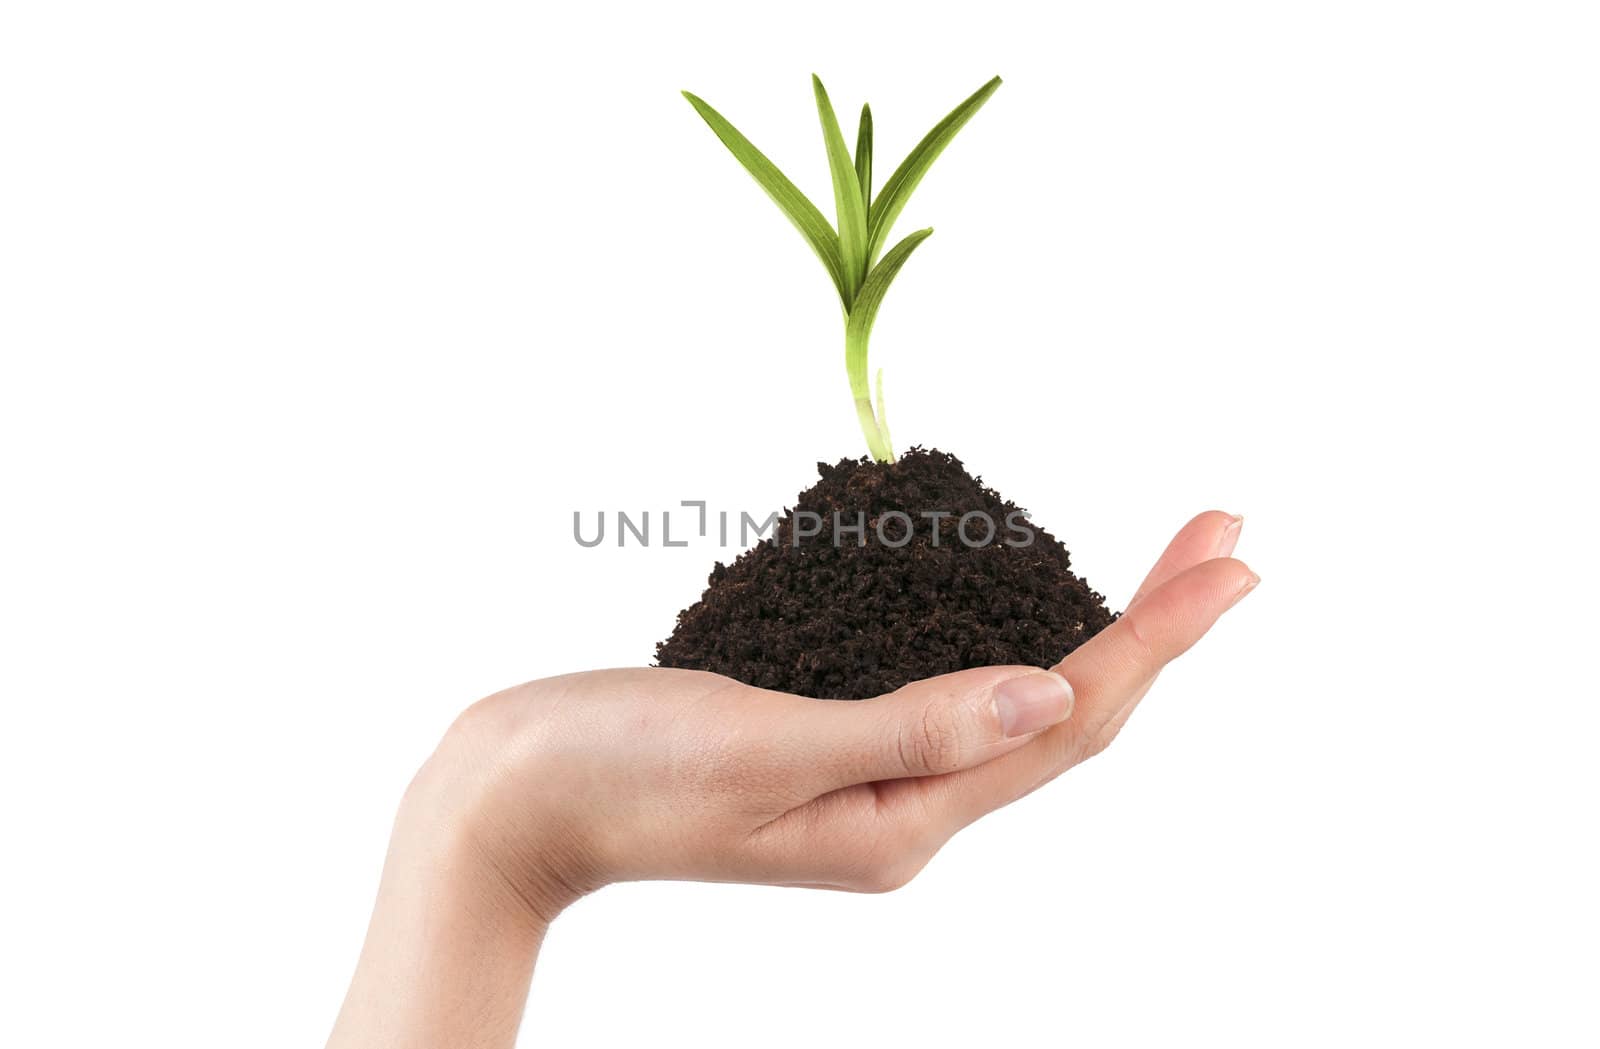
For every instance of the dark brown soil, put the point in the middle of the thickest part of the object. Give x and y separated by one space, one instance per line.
853 621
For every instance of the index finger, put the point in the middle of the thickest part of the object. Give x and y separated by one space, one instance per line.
1207 535
1105 673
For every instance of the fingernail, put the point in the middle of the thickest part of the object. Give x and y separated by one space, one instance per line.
1230 536
1249 585
1032 702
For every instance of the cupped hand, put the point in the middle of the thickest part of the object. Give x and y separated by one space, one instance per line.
560 786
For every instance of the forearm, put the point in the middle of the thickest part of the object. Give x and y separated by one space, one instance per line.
449 952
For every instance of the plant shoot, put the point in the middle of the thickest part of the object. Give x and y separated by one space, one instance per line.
851 252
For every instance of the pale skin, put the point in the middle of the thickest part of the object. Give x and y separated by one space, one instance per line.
549 791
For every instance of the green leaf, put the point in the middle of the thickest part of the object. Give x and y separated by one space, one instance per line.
846 197
800 211
864 156
892 199
876 286
857 330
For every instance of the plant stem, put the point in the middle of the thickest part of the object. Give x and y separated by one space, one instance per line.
876 445
877 439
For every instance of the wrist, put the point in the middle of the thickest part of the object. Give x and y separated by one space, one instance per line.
471 883
472 816
446 867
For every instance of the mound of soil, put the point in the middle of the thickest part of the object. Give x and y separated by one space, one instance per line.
879 576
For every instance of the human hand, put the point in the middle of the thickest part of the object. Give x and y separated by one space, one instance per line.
572 782
550 790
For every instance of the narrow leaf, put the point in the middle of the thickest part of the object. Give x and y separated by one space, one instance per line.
864 157
857 330
898 189
806 218
877 284
846 197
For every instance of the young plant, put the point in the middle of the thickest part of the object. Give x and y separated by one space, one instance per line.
851 253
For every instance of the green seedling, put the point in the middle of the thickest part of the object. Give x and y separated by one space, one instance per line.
851 252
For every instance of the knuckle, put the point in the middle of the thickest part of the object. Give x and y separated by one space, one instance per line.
1075 746
931 743
881 882
1139 638
888 876
1085 745
1097 743
895 855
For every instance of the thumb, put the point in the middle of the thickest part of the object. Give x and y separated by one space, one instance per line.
935 726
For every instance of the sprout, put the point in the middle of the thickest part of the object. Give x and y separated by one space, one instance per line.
851 253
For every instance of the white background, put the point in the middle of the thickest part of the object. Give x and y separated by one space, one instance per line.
320 319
